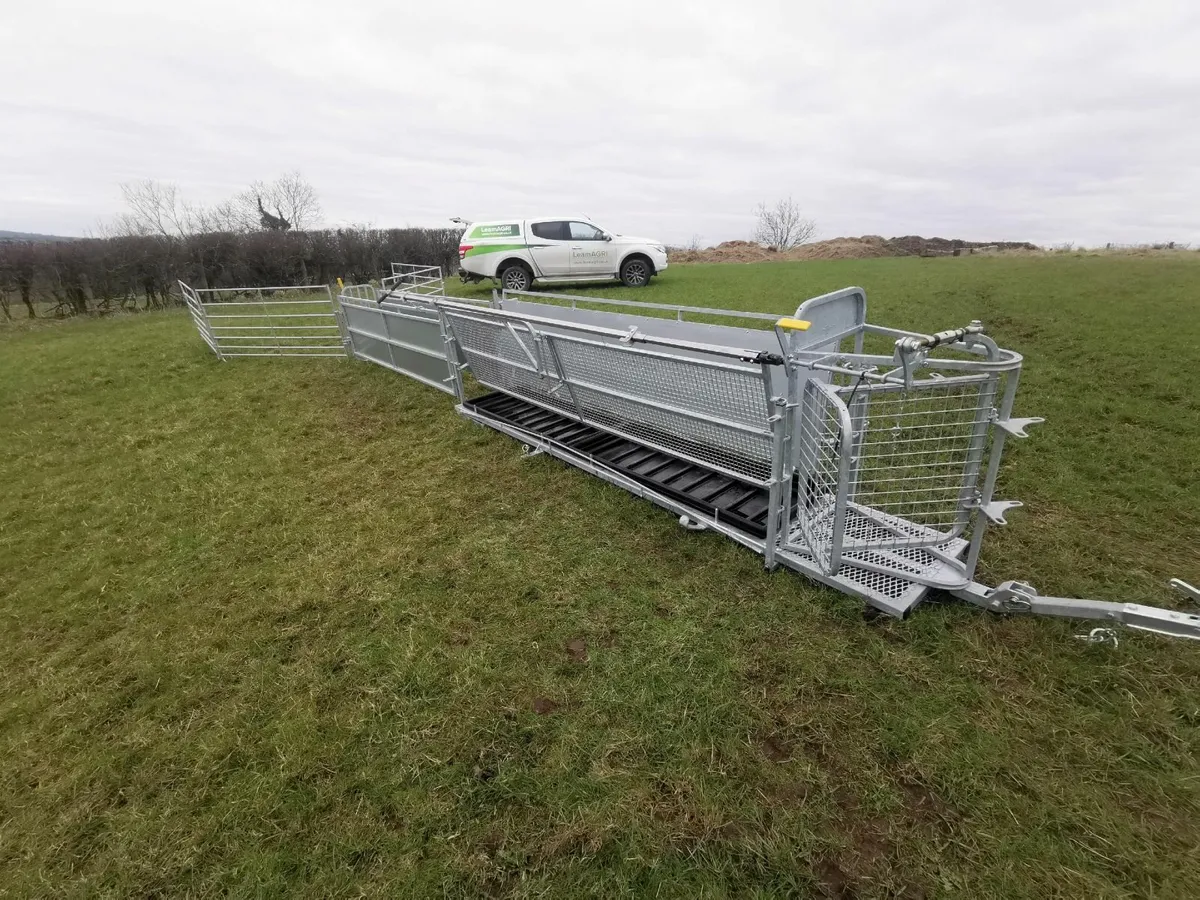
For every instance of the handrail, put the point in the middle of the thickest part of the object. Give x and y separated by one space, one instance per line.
632 335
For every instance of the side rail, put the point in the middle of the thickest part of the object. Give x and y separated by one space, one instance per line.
679 313
364 292
268 321
683 324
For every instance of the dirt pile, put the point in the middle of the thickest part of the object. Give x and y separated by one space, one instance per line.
869 246
730 251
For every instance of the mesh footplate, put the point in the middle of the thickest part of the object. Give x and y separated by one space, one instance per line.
904 563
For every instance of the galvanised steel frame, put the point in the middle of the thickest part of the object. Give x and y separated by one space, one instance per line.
869 469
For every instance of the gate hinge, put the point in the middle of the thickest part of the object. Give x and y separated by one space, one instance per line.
1013 597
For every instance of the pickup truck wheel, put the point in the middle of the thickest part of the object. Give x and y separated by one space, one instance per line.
635 272
516 278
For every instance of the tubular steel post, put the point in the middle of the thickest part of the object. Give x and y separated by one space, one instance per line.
562 376
845 461
790 444
778 422
339 319
452 364
999 436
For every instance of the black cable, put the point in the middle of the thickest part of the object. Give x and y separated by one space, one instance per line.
837 446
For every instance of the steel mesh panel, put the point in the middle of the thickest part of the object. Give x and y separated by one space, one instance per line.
916 458
888 586
899 585
659 392
907 564
818 440
499 362
747 455
727 393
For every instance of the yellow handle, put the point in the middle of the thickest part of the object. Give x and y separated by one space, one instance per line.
793 324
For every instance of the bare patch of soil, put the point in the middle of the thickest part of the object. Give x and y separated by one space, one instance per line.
543 706
775 749
577 650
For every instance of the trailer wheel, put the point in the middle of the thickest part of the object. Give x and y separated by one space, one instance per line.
635 272
516 277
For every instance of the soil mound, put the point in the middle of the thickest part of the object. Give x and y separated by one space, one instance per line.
869 246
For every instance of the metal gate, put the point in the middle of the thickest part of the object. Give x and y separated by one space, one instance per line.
268 321
887 469
424 281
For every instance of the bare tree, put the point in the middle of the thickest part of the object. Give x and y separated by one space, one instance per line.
288 199
223 217
782 226
295 200
156 208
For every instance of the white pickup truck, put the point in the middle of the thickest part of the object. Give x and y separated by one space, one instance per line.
556 250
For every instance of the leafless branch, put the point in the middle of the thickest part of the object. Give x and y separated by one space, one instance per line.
782 226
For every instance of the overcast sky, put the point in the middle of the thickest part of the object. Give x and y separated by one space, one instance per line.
1046 121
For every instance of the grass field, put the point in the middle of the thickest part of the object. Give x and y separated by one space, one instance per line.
293 626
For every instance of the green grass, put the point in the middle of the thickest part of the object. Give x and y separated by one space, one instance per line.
294 627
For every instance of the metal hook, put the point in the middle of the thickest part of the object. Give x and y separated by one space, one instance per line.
1100 636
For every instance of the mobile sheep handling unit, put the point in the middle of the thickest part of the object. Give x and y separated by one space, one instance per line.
860 456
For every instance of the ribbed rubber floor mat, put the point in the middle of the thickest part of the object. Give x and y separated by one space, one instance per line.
725 498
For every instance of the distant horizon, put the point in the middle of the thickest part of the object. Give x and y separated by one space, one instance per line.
8 234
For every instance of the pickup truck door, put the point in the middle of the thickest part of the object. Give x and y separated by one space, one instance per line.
550 246
591 254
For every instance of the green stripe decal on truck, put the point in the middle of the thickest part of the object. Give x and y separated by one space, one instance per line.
493 248
500 248
494 231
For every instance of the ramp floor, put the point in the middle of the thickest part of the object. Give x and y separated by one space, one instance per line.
739 503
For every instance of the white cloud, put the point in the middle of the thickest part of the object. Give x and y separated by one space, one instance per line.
1040 121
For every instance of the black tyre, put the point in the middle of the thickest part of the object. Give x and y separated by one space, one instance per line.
636 272
516 277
